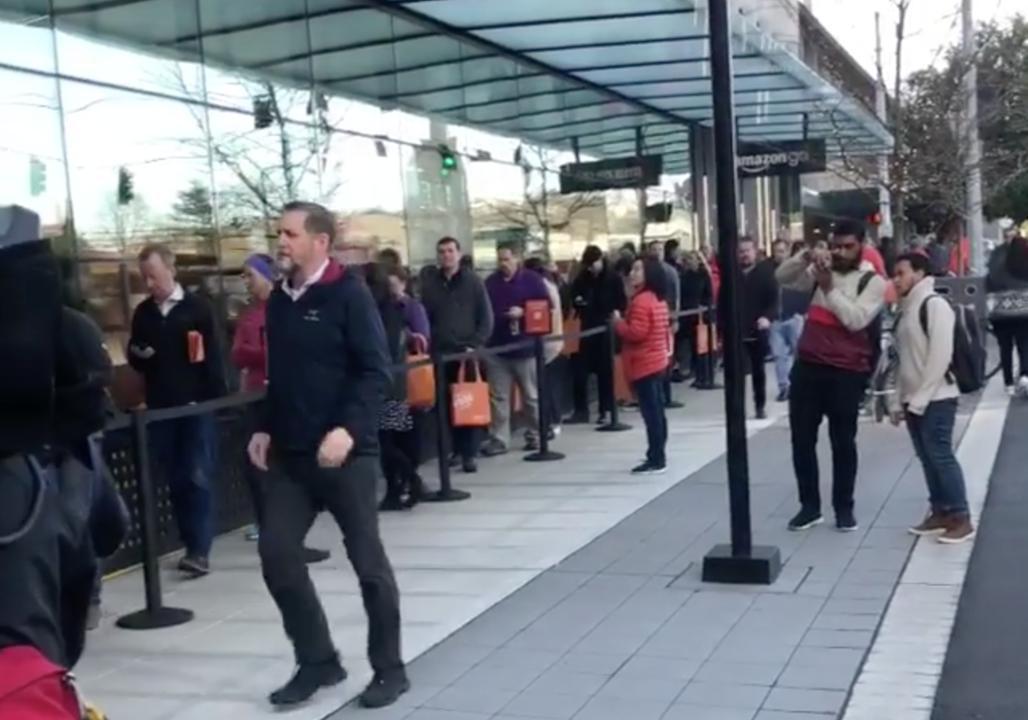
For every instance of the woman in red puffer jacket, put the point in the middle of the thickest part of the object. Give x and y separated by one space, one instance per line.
646 348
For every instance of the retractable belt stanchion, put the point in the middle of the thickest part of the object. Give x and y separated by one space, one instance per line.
544 453
446 492
155 614
615 425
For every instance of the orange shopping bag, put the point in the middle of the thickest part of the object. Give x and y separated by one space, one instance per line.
469 399
420 381
703 333
571 344
622 390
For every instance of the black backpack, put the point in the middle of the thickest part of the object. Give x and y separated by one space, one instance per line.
967 367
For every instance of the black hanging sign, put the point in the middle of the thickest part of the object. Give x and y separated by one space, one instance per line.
612 174
788 157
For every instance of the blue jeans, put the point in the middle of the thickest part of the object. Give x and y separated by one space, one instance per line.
185 452
649 391
932 435
785 339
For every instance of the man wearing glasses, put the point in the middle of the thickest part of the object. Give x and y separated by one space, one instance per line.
835 359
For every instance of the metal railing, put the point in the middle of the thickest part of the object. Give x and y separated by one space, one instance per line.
142 494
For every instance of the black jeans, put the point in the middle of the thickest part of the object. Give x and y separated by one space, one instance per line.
593 356
401 455
818 391
1012 333
292 494
757 349
649 391
550 394
465 439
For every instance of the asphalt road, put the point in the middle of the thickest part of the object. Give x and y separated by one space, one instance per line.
985 676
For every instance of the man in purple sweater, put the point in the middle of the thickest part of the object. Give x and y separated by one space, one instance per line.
509 288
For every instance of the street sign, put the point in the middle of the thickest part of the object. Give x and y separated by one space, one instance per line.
788 157
612 174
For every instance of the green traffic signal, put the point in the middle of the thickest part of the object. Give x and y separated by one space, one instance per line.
449 160
37 176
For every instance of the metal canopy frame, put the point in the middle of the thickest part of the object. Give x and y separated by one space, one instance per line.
588 73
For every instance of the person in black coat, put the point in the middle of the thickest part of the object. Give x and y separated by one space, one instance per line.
176 349
596 292
328 376
759 300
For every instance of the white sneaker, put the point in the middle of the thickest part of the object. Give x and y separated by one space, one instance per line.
1011 390
1022 387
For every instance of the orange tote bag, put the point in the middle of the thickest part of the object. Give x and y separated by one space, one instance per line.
469 399
420 381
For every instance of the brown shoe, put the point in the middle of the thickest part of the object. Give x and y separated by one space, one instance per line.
960 530
934 524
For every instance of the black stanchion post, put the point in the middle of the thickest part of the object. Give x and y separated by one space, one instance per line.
544 453
155 614
446 492
739 562
615 425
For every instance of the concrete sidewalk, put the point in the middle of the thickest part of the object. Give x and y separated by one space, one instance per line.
453 562
625 629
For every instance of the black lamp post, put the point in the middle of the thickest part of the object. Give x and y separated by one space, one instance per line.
739 562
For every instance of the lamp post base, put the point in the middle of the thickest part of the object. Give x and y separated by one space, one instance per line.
760 567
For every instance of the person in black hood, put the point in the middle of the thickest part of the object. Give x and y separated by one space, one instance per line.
596 293
58 511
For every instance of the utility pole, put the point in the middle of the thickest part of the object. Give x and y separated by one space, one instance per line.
881 110
973 149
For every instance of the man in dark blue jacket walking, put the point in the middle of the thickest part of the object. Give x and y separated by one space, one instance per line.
328 367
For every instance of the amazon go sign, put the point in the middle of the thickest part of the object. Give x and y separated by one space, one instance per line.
789 157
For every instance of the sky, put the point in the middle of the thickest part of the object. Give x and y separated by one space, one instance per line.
932 25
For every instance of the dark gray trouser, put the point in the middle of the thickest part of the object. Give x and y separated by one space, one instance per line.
291 495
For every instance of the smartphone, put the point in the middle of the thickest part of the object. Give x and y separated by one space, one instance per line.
196 349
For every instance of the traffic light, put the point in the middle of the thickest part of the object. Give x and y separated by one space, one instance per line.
448 160
37 176
874 219
126 193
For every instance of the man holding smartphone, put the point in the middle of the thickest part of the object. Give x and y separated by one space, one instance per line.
328 367
175 348
836 356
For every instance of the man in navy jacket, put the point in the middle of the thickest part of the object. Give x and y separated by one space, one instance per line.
328 367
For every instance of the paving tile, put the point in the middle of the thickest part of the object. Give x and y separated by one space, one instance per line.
723 695
785 715
618 709
642 687
739 673
825 677
549 706
466 698
434 714
597 663
684 711
796 700
568 682
859 639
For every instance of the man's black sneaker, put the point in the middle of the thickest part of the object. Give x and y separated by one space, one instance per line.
783 395
805 519
312 556
846 522
648 468
306 681
194 566
577 419
674 405
761 414
601 419
385 689
469 465
391 503
454 460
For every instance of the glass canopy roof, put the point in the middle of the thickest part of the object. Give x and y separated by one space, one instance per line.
550 71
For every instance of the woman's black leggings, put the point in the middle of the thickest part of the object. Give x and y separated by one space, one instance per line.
1011 333
400 458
